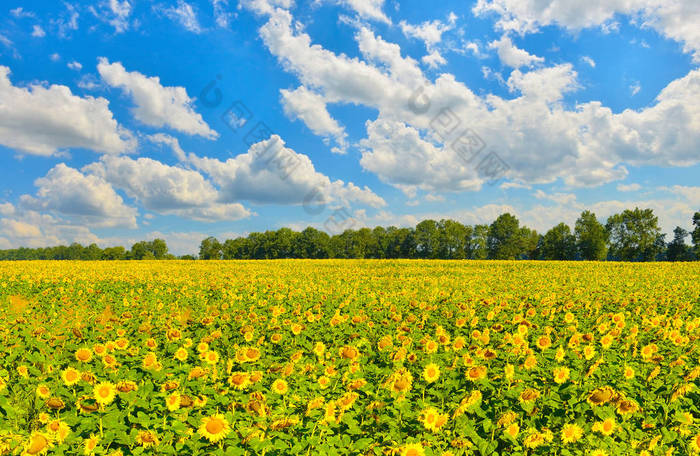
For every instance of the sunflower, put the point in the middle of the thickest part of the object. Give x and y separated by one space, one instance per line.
126 386
251 354
544 342
58 430
571 433
628 373
104 393
180 354
476 373
599 453
432 419
211 357
561 374
695 444
412 449
38 443
529 395
147 438
43 391
239 380
431 346
91 444
83 355
70 376
172 402
324 382
319 349
605 427
349 352
280 386
431 373
512 430
214 428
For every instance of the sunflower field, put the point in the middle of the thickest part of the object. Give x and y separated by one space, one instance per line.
335 357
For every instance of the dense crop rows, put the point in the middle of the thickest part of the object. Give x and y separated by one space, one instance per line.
357 357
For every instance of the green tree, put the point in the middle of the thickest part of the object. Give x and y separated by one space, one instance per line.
505 238
530 243
696 235
159 248
451 240
677 249
477 248
558 244
426 236
635 235
210 249
591 237
114 253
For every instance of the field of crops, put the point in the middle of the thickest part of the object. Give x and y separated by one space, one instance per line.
356 357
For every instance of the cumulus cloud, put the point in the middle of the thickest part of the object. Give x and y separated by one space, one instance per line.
368 9
185 15
38 32
270 173
534 132
166 189
89 199
156 105
511 55
430 32
43 120
676 20
310 108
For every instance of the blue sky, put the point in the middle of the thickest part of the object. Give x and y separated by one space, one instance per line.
108 135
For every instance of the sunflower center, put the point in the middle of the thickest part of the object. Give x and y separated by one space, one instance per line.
38 443
215 426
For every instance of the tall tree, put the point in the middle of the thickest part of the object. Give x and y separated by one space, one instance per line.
696 235
210 249
677 249
478 248
559 244
426 235
505 238
451 240
591 237
635 235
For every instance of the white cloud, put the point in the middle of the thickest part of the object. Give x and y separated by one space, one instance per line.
270 173
511 55
43 120
265 6
588 61
77 66
368 9
84 198
20 13
7 209
674 19
66 22
628 187
539 137
156 105
38 32
185 15
221 14
430 32
635 88
310 108
55 57
166 189
120 15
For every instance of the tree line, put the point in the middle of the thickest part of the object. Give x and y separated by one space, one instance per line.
632 235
